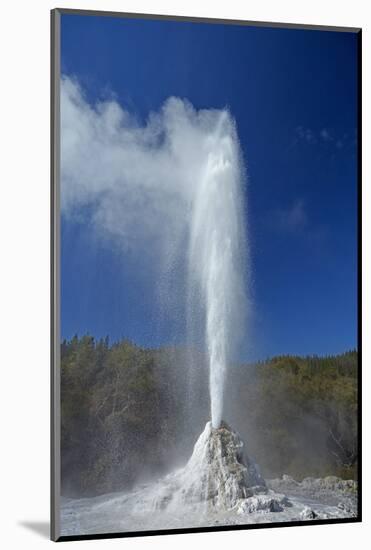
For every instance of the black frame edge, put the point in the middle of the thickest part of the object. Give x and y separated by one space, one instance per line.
213 529
359 265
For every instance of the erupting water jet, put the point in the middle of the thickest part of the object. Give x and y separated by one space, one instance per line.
217 252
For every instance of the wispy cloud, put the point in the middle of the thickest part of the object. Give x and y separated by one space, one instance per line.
305 134
324 136
292 218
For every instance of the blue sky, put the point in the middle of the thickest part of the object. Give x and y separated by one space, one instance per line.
293 94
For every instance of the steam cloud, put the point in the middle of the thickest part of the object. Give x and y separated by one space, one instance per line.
138 181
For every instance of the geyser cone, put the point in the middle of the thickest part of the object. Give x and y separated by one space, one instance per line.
218 473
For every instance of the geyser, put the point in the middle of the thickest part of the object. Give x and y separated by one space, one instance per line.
170 193
217 250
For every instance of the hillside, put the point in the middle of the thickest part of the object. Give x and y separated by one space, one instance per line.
128 414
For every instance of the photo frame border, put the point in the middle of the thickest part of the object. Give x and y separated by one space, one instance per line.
55 242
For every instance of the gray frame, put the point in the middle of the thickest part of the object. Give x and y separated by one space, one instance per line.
55 278
55 431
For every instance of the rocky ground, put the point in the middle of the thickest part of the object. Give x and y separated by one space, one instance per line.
218 486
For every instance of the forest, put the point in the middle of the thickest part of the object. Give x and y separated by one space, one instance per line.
129 414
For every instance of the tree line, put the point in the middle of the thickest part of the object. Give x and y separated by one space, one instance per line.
128 413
